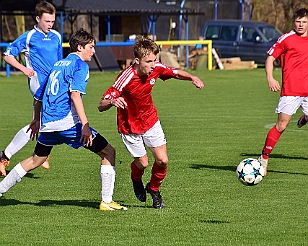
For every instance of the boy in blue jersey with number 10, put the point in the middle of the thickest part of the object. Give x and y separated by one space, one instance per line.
64 120
42 48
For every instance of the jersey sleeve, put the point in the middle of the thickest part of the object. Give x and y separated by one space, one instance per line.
18 46
166 72
278 48
111 93
80 77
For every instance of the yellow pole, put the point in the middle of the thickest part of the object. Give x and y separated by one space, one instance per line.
181 42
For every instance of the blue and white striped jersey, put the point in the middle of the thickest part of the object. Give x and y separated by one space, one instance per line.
58 111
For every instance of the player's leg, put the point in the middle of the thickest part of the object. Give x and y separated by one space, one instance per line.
4 162
101 147
303 120
21 138
137 170
272 138
21 169
135 146
37 90
156 141
287 106
46 164
159 171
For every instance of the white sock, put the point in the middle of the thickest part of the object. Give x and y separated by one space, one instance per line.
108 179
19 141
14 176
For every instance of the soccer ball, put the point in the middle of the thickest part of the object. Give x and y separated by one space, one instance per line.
250 172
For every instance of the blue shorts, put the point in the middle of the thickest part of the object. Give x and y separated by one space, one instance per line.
71 137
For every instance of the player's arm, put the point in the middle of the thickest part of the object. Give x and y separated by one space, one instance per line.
106 104
183 75
13 62
86 137
269 66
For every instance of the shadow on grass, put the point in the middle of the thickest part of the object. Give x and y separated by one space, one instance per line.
28 175
246 155
46 203
78 203
12 202
202 166
275 156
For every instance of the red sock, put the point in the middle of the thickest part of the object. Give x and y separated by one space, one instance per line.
136 174
158 175
270 142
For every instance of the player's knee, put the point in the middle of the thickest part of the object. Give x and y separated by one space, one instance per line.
281 127
143 165
142 162
163 162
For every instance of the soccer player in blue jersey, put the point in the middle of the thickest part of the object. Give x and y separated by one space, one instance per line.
64 120
42 47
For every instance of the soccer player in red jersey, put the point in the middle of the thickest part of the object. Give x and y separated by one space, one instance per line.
138 123
292 50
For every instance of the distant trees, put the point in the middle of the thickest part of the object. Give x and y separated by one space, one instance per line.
276 12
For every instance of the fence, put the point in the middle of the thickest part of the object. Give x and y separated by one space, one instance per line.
173 42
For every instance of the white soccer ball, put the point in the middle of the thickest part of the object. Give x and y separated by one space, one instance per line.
250 172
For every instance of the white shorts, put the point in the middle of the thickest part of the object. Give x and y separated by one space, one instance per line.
289 104
135 143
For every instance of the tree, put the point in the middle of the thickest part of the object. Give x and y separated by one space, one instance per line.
276 12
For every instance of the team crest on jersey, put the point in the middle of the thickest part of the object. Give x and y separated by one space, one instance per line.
152 81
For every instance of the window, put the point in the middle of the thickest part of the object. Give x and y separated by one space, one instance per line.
229 33
212 32
249 34
270 33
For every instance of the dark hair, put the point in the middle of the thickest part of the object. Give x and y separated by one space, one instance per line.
44 7
144 46
80 37
300 13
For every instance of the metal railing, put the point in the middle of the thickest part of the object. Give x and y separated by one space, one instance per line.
173 42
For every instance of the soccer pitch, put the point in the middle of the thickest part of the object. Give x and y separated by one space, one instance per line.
208 133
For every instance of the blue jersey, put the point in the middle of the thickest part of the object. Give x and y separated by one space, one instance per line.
41 52
58 111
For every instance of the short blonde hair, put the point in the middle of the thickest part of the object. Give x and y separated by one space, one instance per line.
144 46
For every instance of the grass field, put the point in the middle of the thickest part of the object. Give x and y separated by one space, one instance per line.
208 132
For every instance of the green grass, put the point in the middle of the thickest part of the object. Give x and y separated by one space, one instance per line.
208 132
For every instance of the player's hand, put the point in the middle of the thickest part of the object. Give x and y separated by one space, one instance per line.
273 85
118 102
28 72
34 127
198 83
86 137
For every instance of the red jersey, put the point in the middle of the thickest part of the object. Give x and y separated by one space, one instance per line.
140 114
293 53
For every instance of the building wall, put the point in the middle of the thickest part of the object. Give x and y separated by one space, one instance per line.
128 25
